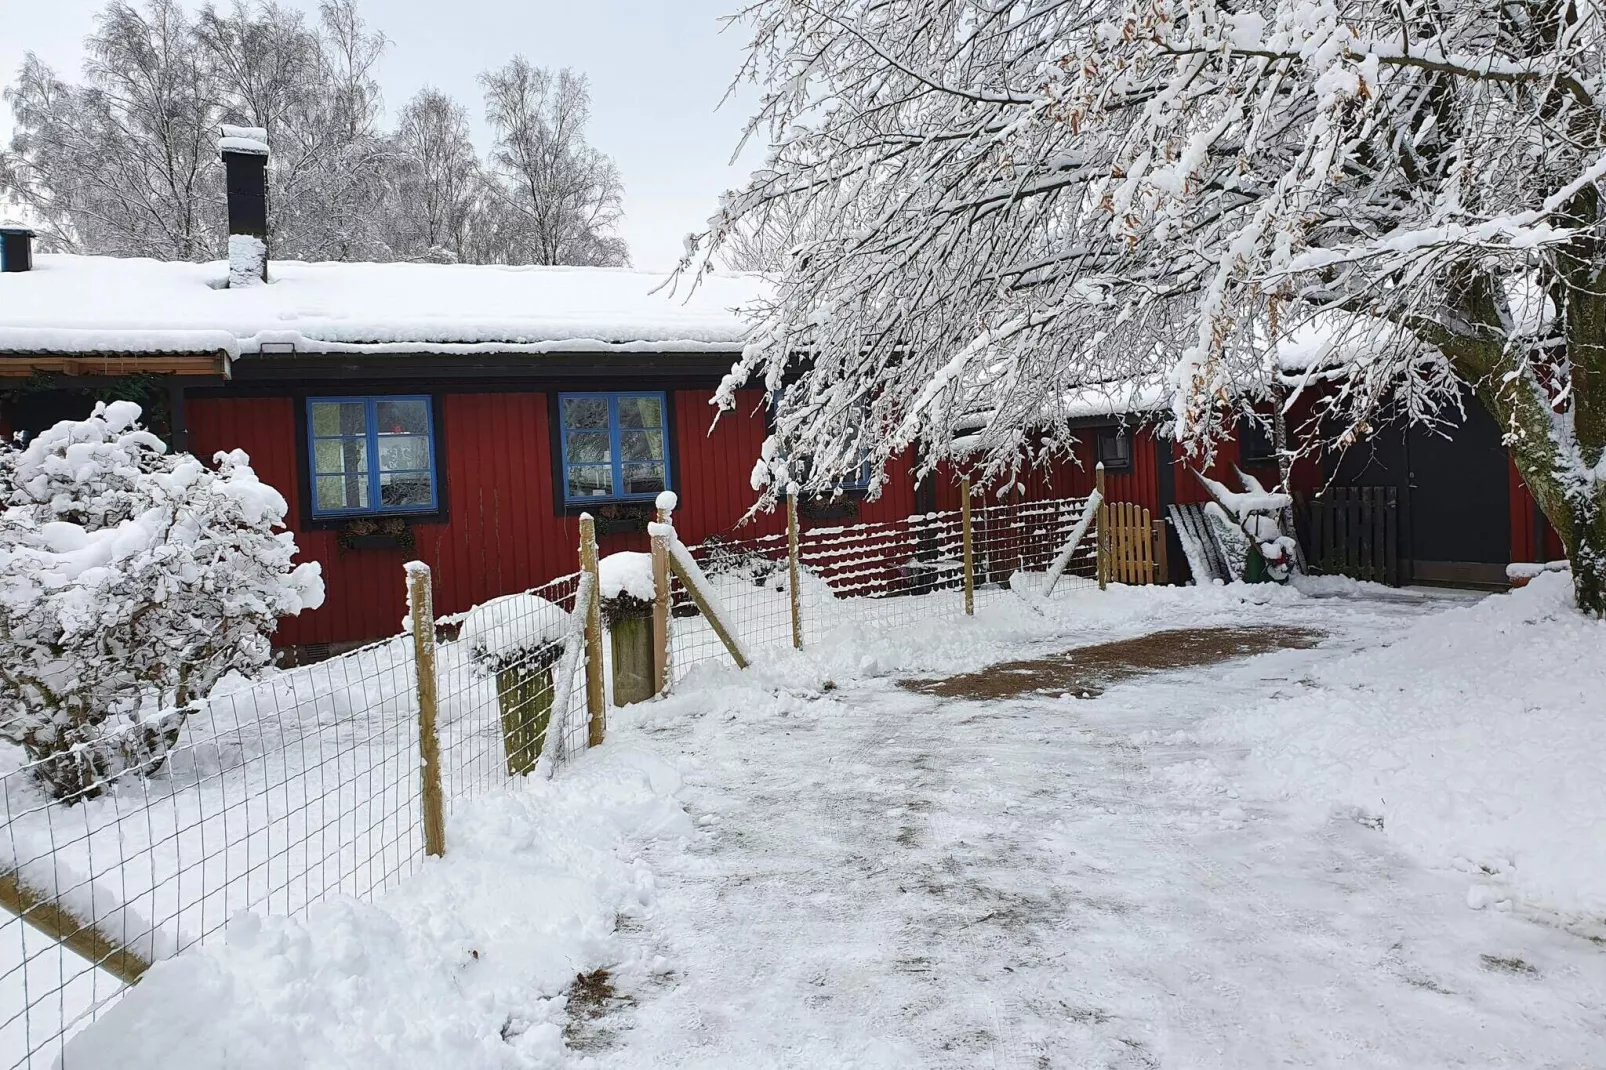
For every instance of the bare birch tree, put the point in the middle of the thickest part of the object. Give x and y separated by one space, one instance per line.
438 180
563 198
313 90
125 163
1391 206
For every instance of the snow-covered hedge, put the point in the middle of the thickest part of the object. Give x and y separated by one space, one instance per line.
131 580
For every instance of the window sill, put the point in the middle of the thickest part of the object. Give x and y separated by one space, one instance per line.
615 516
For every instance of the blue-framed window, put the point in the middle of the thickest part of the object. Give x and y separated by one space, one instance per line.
615 445
372 455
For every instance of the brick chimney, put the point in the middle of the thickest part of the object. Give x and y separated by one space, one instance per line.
245 164
16 249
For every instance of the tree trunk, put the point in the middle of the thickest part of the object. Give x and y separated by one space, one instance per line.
1553 470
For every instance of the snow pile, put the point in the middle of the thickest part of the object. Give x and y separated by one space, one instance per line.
247 256
511 627
250 139
627 572
463 965
1474 742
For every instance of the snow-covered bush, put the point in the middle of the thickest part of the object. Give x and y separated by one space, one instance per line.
131 580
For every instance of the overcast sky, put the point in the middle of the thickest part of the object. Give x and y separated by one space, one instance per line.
658 69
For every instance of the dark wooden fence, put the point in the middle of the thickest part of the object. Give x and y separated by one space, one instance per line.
1352 531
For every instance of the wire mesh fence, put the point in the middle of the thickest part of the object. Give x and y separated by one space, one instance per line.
275 793
882 575
270 795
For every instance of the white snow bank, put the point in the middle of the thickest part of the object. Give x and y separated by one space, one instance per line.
627 572
465 964
95 304
1476 741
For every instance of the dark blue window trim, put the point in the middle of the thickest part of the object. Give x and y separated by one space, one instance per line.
615 455
370 405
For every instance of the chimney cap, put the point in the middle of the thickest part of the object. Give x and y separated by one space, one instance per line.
250 140
18 231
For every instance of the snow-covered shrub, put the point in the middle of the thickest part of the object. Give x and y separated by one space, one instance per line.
131 580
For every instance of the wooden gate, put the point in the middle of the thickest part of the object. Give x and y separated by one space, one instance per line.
1352 531
1132 545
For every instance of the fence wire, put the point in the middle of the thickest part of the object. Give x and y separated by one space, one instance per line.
274 794
881 575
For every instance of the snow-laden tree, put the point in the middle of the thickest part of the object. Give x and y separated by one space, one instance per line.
125 163
1391 206
131 580
313 89
437 180
561 198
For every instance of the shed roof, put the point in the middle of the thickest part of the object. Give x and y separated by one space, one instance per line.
99 304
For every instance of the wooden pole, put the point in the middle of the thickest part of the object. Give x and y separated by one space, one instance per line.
596 698
69 930
710 614
792 570
1162 554
422 603
660 604
969 549
1102 555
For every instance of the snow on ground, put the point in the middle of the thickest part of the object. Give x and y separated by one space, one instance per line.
1474 741
862 876
464 965
884 879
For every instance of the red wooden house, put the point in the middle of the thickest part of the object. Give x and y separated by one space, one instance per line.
466 416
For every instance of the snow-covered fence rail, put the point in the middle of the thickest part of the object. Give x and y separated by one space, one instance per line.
882 575
280 792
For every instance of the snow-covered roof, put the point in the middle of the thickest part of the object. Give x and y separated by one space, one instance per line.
100 304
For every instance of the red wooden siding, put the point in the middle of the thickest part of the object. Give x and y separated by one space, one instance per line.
503 531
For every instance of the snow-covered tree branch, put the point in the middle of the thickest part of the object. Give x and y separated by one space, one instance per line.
1386 207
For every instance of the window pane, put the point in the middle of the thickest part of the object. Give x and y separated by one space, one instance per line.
400 452
641 445
330 418
590 481
340 455
641 412
585 412
396 491
342 492
589 447
643 478
402 417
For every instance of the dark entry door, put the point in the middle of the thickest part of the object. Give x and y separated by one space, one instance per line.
1460 502
1454 498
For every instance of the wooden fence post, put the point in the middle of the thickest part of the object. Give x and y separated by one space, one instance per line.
792 570
965 539
1162 559
596 697
1102 553
660 603
422 603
